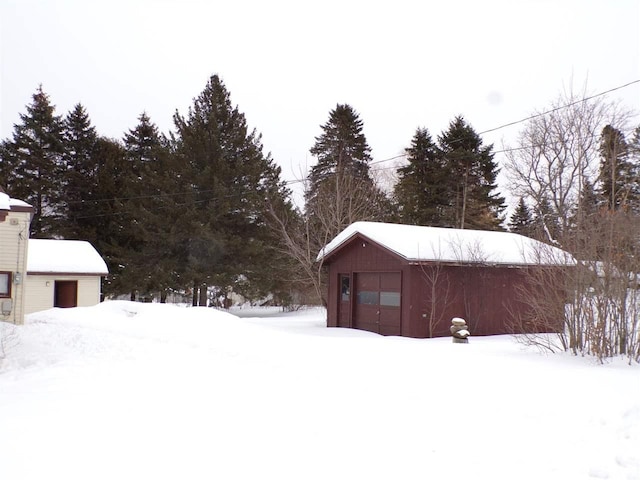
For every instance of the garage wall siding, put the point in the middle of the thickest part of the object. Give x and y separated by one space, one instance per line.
359 255
486 297
41 295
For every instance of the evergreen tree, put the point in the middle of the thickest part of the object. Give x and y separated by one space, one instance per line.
589 202
79 180
341 190
421 190
546 223
634 160
103 219
616 172
521 220
634 146
342 147
146 204
223 237
472 178
31 163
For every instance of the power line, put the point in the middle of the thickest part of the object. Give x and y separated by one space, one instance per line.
560 108
376 162
531 117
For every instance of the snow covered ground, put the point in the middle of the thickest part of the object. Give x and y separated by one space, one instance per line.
146 391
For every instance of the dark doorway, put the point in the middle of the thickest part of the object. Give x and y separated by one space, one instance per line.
377 300
344 301
65 294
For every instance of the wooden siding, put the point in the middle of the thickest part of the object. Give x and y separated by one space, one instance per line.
14 232
486 297
431 293
40 290
358 256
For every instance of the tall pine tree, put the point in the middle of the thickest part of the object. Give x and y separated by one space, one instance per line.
79 179
342 147
616 172
147 251
31 165
105 219
340 188
521 220
472 178
421 191
222 236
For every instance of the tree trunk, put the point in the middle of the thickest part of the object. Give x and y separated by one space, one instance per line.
194 297
203 295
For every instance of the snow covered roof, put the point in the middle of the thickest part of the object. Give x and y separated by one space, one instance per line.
64 256
18 203
4 201
7 203
418 243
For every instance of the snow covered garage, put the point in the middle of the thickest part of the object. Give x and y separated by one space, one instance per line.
412 280
62 273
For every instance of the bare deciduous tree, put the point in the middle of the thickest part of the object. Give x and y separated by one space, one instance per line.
555 152
339 200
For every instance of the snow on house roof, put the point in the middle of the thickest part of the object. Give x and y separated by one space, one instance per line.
418 243
64 256
18 203
4 201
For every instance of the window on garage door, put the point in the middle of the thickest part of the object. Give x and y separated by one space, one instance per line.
390 299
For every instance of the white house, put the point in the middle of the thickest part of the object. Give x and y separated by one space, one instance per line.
41 274
15 217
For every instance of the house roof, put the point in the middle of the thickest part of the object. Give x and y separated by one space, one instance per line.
422 244
18 203
8 203
4 201
64 256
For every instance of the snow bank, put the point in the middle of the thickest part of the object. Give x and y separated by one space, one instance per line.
129 391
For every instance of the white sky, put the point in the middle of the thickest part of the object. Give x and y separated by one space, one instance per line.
400 64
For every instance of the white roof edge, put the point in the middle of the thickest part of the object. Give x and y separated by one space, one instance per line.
18 203
449 245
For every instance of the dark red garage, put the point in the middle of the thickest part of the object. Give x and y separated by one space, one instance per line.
412 280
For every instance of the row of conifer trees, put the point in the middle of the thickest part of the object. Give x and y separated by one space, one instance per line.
204 209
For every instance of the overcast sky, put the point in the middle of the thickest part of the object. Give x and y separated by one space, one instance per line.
400 64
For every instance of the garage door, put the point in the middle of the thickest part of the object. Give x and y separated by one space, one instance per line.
377 299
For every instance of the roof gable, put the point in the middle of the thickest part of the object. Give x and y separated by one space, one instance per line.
64 256
423 244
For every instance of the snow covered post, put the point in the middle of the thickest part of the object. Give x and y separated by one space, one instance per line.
459 330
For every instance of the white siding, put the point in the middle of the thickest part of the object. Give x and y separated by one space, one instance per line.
14 232
40 291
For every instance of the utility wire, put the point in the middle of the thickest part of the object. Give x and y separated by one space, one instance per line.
560 107
531 117
376 162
